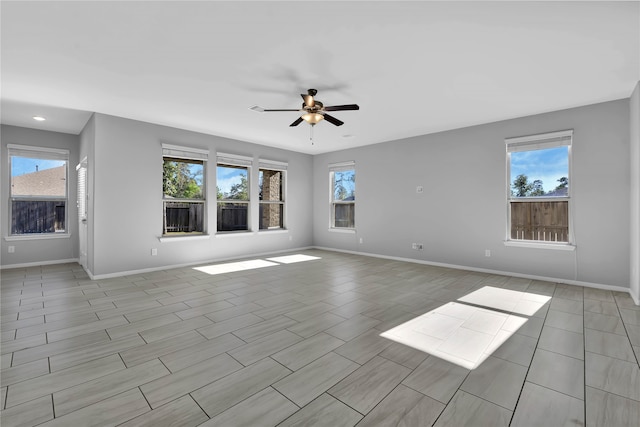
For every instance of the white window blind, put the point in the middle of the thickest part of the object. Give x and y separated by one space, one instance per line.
342 166
37 152
272 164
539 142
179 152
234 159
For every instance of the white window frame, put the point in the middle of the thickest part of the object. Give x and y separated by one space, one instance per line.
333 168
44 153
273 165
236 160
194 154
531 143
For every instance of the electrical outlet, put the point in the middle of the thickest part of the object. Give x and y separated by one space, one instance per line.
361 240
417 246
11 249
487 253
154 251
419 189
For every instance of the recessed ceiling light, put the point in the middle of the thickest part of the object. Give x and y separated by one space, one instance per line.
39 118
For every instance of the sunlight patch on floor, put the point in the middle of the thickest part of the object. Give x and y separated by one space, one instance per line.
290 259
464 334
232 267
235 266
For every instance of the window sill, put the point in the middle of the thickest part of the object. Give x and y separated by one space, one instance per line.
37 236
273 231
343 230
166 239
540 245
224 234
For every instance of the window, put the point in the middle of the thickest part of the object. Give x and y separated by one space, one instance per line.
271 190
232 188
39 188
183 190
343 195
539 190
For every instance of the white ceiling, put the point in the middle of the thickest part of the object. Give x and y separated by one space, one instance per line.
413 67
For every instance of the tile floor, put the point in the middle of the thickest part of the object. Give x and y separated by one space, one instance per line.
295 340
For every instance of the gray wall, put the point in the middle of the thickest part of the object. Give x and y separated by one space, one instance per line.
462 211
126 213
39 250
635 192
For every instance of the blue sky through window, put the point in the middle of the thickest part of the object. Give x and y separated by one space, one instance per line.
227 176
548 165
24 165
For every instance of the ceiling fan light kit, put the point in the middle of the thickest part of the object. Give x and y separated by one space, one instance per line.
313 111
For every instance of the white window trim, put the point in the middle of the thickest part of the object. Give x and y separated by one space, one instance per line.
539 142
338 167
282 167
223 159
49 153
188 153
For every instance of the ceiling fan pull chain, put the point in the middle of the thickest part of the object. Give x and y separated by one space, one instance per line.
311 135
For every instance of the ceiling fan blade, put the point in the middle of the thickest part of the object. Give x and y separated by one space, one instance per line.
262 110
297 122
342 107
333 120
297 109
308 100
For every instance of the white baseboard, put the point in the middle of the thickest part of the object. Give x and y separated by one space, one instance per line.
39 263
189 264
489 271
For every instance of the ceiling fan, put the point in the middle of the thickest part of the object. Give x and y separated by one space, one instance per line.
313 111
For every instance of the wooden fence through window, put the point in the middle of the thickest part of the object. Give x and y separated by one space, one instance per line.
544 220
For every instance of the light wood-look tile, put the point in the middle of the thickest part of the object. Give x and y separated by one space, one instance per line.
222 394
437 378
255 350
305 352
183 412
607 409
49 383
540 406
94 351
75 331
567 321
302 329
613 375
90 392
404 407
609 344
262 329
175 328
160 348
24 372
311 381
368 385
496 380
562 341
229 325
466 410
167 388
557 372
108 412
325 411
351 328
267 407
604 323
197 353
30 413
365 347
316 324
